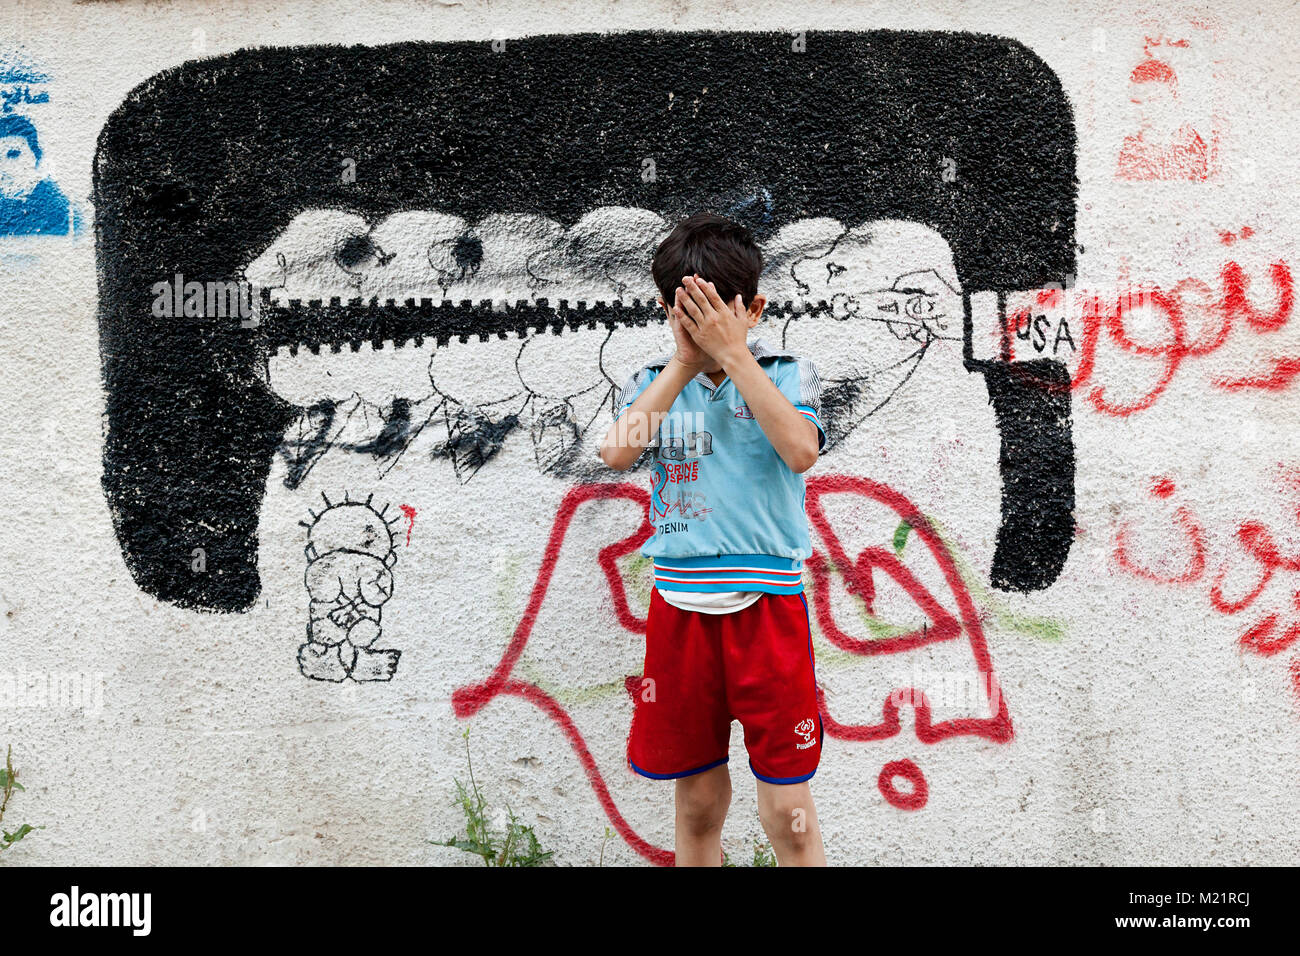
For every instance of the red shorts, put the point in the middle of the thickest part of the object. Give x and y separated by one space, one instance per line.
702 671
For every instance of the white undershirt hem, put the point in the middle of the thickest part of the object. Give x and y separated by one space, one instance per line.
711 602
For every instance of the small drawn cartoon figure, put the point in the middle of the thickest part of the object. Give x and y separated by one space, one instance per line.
349 577
30 203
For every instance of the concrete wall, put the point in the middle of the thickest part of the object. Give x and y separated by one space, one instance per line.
1043 264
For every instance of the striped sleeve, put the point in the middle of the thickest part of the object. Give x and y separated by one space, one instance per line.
636 384
798 381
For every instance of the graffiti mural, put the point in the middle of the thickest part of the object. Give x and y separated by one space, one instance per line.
371 280
314 326
361 231
1177 125
1193 319
832 287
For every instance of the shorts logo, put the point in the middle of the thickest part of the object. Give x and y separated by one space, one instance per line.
805 730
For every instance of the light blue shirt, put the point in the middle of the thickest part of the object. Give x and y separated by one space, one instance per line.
728 512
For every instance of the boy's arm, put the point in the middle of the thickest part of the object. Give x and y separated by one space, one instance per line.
720 330
795 438
634 428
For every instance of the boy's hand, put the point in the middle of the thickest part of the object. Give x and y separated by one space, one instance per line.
717 327
688 352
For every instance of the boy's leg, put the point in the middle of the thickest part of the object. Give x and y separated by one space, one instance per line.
702 800
681 728
790 822
772 689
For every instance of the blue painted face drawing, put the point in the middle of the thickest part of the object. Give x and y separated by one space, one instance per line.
30 204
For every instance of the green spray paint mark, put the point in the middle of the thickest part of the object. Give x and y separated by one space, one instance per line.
1047 629
572 696
640 570
877 628
637 574
1044 628
900 537
507 592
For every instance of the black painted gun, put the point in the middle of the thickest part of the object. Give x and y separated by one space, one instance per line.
204 165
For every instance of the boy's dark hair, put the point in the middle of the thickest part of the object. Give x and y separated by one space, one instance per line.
719 250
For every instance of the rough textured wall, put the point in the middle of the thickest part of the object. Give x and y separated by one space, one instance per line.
311 345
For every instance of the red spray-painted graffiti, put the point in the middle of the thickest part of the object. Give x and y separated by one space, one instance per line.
945 623
860 581
1269 631
909 771
1161 151
1195 323
409 513
1195 566
468 701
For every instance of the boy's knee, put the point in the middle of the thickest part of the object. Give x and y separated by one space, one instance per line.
702 804
787 811
787 835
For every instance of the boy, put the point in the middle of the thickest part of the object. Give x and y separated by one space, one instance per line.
728 635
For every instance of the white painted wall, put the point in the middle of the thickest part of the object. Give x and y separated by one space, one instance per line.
1143 730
